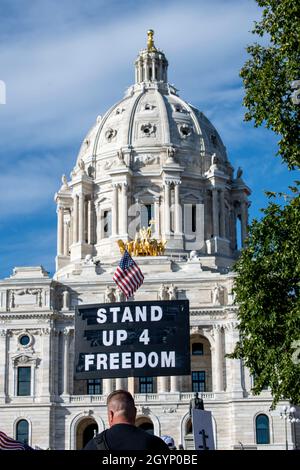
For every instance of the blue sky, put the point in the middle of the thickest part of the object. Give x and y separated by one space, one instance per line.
66 61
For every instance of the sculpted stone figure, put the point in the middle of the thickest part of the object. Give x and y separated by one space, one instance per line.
172 292
163 293
120 297
109 296
217 294
196 403
239 173
64 182
66 300
81 166
120 156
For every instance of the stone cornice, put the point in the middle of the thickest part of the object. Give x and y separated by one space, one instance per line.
27 315
214 311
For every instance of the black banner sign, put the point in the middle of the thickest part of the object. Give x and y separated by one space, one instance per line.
135 339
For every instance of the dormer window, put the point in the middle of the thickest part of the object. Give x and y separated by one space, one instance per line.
148 129
185 130
110 134
213 139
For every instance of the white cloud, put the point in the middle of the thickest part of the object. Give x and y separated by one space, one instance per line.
56 85
61 73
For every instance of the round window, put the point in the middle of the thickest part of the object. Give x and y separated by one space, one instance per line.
24 340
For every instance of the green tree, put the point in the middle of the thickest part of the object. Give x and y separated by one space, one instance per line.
267 291
268 271
268 74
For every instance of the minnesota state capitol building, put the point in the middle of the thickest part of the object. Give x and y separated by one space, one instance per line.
154 161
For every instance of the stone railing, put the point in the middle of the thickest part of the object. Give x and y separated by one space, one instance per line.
204 395
143 397
87 399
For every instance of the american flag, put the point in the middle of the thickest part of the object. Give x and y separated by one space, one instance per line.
7 443
128 275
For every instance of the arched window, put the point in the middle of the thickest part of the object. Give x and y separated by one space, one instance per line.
106 223
90 431
197 349
262 429
22 431
147 213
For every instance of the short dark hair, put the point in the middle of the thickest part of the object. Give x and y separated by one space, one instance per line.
124 404
123 394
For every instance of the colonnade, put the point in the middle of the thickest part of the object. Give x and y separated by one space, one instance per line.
219 215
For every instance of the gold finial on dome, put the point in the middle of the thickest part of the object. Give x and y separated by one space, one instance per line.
150 42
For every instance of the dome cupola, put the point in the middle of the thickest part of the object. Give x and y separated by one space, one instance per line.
151 64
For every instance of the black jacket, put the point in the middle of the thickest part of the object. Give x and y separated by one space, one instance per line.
127 437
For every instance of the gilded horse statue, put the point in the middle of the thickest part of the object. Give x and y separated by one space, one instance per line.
143 244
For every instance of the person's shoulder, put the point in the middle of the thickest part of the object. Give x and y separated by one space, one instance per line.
157 443
92 444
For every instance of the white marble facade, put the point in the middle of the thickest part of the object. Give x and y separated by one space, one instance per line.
152 155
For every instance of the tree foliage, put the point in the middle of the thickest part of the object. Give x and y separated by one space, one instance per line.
267 292
268 74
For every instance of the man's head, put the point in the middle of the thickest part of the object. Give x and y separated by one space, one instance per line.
120 408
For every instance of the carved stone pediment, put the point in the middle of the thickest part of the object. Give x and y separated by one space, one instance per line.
25 296
25 360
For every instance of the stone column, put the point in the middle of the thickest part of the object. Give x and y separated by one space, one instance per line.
107 386
153 70
233 366
60 230
114 211
174 383
66 361
75 219
124 188
160 70
130 385
145 70
99 224
178 214
90 222
157 218
3 364
46 380
162 384
222 215
234 218
81 218
121 383
66 239
54 361
244 222
218 359
215 204
167 208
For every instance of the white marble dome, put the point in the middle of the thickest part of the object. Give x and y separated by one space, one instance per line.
151 117
151 158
